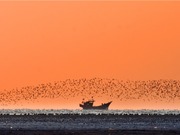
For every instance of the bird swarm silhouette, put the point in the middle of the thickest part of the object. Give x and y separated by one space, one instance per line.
157 90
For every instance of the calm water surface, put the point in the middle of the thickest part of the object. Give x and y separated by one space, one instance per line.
90 120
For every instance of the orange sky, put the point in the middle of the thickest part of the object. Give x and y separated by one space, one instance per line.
48 41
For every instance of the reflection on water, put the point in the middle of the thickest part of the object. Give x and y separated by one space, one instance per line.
86 112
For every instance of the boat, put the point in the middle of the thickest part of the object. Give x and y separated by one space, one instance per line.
89 105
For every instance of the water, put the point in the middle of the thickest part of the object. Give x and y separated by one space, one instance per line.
26 119
86 112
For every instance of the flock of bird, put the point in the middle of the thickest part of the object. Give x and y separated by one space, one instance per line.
156 90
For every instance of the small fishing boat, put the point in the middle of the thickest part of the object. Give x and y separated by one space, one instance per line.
89 105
